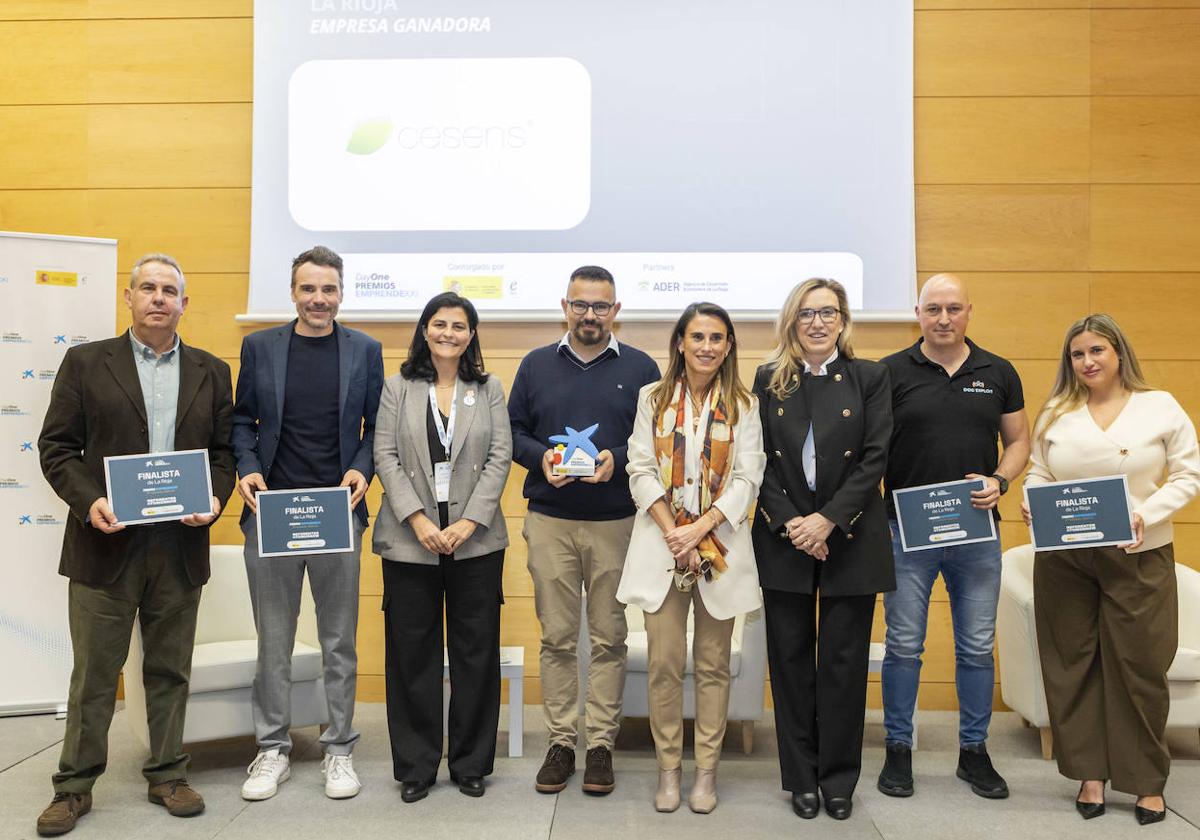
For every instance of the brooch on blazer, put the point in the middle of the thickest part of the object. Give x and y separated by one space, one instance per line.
469 397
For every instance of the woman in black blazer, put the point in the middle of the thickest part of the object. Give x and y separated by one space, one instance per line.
822 535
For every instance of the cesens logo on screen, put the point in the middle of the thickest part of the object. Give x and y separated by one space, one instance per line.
439 144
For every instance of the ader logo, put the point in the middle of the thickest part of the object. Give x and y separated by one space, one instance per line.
672 286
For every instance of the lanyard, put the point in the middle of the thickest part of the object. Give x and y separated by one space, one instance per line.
445 434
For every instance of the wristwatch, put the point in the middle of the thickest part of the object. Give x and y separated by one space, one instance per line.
1003 482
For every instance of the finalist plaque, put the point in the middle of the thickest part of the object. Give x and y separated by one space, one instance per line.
1084 513
574 452
939 515
309 521
159 486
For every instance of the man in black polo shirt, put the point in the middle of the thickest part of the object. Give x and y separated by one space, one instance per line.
950 401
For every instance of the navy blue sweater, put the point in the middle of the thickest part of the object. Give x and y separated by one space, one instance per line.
551 392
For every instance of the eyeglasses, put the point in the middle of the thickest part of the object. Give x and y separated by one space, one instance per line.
684 578
580 307
828 315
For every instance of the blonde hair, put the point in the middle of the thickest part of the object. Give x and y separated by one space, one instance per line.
788 355
1068 392
734 394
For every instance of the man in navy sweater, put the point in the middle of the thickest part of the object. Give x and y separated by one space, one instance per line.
578 529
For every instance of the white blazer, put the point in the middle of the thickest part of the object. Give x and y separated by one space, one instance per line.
646 577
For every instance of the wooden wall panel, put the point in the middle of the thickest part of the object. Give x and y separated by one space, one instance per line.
129 60
1002 228
1157 311
1001 53
1146 139
92 9
1002 140
1145 52
206 230
1145 227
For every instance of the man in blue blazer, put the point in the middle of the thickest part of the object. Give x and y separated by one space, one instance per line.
297 384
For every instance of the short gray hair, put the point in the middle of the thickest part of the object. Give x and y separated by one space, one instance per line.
165 259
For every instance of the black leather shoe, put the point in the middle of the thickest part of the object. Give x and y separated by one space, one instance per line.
470 785
806 805
415 791
838 807
896 779
1088 810
1147 817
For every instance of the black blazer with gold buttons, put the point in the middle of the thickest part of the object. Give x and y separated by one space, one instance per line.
850 409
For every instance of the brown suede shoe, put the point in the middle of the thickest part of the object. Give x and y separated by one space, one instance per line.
62 812
179 799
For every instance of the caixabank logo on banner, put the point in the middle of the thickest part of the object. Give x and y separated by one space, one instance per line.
36 520
37 374
11 483
13 410
13 337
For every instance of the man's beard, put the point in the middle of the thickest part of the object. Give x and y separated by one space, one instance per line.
589 341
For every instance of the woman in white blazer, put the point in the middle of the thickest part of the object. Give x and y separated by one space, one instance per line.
695 464
442 452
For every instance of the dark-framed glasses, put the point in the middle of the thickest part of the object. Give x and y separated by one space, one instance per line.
827 314
600 307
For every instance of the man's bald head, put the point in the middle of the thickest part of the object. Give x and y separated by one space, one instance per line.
948 282
943 311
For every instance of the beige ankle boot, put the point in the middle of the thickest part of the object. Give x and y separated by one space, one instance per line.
703 797
666 799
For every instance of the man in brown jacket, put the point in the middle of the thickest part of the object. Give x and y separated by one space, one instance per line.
141 392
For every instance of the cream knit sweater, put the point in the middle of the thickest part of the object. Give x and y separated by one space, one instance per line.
1152 443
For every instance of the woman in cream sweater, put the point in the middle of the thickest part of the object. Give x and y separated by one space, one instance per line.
695 463
1107 618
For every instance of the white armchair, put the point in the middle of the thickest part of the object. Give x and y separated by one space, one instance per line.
1020 668
747 670
224 660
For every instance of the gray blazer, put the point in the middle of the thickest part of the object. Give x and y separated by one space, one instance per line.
480 457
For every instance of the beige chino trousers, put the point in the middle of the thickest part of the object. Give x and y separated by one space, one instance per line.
567 556
666 638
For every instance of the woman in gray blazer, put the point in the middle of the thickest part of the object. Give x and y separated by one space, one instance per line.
442 451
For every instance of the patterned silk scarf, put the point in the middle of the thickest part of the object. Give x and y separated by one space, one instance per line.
670 443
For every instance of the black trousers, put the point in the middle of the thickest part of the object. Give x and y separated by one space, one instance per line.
819 685
413 596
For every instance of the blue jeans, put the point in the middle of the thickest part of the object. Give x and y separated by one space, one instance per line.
972 576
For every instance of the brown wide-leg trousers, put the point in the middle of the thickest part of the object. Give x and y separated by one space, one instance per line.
1108 629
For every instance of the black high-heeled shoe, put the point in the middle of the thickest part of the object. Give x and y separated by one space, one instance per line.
1088 810
1146 816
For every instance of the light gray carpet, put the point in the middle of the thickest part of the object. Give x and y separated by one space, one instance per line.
751 804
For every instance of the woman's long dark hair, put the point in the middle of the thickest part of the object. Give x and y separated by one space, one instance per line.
419 364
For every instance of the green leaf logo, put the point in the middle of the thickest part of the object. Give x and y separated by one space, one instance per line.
369 137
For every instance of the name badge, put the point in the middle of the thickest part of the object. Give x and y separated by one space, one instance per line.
441 480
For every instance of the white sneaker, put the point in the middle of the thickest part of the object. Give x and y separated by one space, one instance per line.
268 771
341 782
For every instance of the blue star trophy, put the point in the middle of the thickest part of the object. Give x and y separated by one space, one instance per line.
574 453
